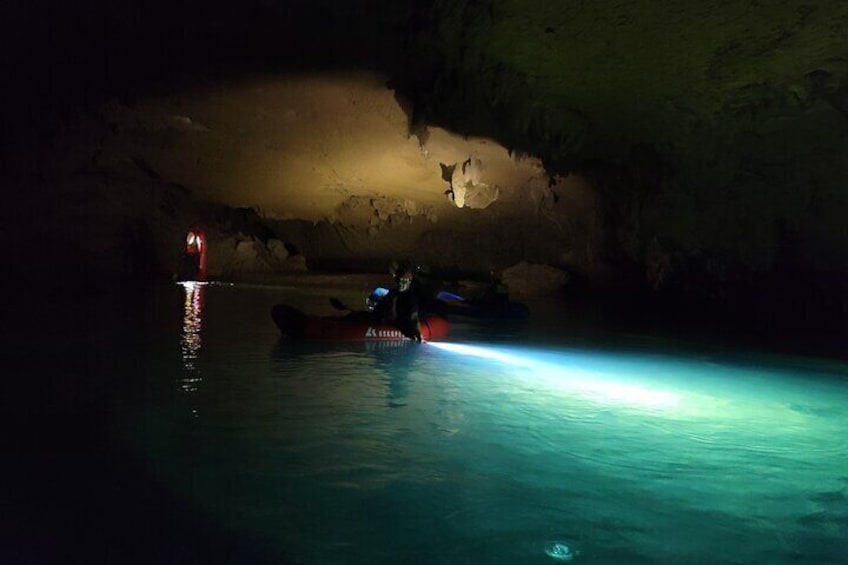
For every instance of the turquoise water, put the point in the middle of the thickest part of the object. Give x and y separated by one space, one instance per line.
490 448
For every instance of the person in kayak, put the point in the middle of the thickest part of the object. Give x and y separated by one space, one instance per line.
496 293
400 306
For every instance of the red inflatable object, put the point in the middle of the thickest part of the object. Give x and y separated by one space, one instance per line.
194 256
296 325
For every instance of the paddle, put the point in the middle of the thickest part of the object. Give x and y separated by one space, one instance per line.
445 295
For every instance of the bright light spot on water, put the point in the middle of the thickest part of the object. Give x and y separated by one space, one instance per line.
191 285
560 551
190 336
484 352
592 385
682 388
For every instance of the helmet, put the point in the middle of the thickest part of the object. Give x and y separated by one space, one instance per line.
401 267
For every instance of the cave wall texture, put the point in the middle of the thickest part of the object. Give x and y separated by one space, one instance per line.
694 149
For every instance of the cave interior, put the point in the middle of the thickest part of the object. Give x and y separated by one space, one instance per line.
684 157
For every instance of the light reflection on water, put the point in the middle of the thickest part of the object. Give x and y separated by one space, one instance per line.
388 453
190 335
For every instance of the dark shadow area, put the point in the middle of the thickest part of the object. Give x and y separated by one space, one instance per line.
75 489
755 321
65 58
74 494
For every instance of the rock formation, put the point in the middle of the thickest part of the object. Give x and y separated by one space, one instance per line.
686 151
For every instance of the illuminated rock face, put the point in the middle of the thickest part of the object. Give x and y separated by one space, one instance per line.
310 147
234 257
335 151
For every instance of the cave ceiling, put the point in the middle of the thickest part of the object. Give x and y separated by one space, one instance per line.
584 72
561 80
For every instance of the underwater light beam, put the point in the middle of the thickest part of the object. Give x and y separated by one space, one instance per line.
593 386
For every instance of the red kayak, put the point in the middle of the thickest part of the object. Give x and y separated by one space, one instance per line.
297 325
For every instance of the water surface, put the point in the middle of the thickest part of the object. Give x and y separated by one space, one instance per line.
183 430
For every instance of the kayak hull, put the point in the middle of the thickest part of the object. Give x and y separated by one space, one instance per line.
294 324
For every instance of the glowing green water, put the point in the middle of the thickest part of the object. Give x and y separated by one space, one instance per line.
355 454
193 435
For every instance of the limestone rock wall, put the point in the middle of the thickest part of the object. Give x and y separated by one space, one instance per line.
234 257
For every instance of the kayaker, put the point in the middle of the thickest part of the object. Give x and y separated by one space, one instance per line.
496 292
400 306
